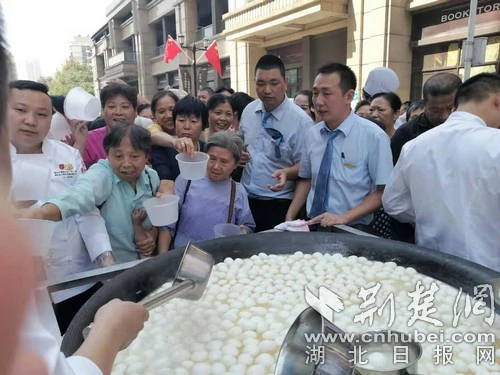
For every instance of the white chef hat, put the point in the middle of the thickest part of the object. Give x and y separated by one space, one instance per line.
381 80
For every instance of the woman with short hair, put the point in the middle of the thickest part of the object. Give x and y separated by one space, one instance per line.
190 117
118 104
212 200
385 107
117 186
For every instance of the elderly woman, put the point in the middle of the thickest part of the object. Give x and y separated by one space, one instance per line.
118 104
385 107
220 115
117 186
212 200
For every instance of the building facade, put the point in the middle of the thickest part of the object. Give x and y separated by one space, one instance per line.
131 45
415 38
81 49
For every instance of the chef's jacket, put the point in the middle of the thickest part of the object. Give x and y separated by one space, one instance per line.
447 181
78 240
40 333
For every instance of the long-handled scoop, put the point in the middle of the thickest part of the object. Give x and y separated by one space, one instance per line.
190 281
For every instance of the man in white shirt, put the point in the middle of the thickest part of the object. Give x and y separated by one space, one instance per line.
79 243
447 181
118 322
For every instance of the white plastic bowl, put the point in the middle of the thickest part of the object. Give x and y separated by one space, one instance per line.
162 211
193 168
228 230
40 234
80 105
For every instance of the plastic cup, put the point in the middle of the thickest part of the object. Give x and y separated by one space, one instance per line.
40 234
30 178
59 127
162 211
193 168
80 105
228 230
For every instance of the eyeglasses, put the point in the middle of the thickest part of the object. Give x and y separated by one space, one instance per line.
277 138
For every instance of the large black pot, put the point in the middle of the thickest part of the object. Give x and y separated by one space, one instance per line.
135 283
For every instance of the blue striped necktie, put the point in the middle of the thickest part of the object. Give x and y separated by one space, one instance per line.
275 134
322 183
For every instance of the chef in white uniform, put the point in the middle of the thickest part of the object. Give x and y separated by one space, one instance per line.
115 324
43 168
447 181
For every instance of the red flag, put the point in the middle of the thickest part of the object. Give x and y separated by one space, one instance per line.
172 49
212 55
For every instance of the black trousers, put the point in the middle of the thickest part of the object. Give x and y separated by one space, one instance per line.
66 310
268 213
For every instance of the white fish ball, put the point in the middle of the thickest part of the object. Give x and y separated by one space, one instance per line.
219 335
218 368
230 350
252 350
265 359
201 369
238 368
215 355
245 359
188 364
256 370
200 356
267 345
228 360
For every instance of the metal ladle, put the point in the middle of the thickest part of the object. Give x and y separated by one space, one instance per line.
189 283
293 357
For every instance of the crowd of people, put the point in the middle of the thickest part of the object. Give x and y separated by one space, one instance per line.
271 160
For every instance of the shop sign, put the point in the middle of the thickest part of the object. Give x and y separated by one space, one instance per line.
457 13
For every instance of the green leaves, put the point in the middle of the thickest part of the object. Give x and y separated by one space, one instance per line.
72 74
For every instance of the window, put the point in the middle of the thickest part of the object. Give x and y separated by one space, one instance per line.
294 81
442 56
446 57
163 28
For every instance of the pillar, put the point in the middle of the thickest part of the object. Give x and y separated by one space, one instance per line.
244 57
145 43
378 34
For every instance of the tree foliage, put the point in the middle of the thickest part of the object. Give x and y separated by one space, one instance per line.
72 74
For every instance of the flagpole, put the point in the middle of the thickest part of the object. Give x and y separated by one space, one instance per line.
199 58
189 58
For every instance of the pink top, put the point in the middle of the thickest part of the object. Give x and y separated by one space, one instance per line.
94 150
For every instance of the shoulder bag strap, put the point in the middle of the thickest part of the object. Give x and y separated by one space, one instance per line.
188 185
231 202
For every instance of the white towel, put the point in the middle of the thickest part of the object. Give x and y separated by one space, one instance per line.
293 226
